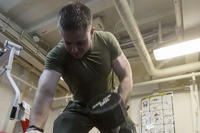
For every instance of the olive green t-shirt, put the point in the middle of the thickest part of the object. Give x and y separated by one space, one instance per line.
92 74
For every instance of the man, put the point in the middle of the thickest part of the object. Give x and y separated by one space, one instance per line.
85 60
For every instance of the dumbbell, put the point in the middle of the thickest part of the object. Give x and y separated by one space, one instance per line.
107 110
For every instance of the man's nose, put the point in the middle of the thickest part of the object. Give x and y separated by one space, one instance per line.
74 49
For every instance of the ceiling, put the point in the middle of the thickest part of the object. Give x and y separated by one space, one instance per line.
36 16
161 22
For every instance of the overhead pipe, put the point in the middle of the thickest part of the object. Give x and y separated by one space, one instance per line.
163 80
135 35
160 38
195 105
179 19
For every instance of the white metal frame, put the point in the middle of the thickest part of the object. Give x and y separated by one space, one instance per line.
12 49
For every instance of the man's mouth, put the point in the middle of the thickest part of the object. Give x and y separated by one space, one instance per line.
77 56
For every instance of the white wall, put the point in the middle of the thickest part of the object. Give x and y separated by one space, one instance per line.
182 112
6 101
7 95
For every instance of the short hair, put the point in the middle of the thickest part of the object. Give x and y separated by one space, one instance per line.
75 16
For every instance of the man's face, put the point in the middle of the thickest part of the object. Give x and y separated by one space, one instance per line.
77 43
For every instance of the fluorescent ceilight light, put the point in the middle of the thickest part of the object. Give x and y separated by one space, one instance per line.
176 50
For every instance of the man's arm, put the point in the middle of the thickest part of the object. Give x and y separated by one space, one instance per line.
44 97
123 71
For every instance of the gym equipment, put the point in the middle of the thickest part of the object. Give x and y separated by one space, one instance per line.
107 110
20 110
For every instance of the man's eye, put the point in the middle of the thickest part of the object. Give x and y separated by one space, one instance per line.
81 43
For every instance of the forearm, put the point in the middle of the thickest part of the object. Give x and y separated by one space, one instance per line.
125 88
40 109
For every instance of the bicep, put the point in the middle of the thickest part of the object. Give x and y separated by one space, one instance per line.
121 66
48 81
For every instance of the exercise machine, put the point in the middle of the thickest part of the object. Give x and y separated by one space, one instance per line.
20 110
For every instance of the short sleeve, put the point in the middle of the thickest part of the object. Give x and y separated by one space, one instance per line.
53 61
113 45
